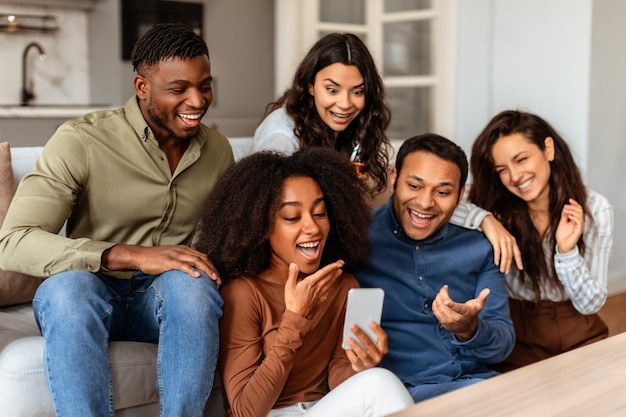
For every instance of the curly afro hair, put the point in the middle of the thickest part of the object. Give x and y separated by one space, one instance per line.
239 214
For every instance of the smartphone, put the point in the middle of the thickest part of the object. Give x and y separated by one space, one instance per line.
364 305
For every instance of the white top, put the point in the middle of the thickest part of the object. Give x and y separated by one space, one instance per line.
584 278
276 133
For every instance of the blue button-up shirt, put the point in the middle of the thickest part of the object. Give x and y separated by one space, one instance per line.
412 273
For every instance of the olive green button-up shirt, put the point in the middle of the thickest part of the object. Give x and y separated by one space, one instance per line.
106 175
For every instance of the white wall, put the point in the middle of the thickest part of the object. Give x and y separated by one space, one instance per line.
607 121
564 60
63 76
111 78
473 104
541 64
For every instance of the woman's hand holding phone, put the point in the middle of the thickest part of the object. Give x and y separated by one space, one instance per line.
363 338
367 354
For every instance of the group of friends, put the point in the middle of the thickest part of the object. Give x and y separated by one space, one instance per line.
171 242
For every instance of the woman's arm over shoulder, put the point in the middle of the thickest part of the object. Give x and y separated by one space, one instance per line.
468 215
253 379
585 278
505 248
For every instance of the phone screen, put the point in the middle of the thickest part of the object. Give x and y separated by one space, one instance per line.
364 305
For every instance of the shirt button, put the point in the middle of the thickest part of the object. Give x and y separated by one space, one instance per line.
417 248
421 278
426 306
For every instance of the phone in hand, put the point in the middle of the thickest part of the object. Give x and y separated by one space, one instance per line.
364 306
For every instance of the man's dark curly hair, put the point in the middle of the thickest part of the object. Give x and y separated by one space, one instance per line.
241 211
164 41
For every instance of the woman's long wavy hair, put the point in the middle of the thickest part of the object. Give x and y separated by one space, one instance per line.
367 130
488 192
240 213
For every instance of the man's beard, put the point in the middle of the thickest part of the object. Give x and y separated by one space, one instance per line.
160 123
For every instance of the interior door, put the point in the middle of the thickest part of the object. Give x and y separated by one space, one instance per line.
412 44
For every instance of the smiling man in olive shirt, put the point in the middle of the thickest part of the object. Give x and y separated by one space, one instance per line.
130 183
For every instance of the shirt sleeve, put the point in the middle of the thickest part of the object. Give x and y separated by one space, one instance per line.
252 382
468 215
585 278
29 239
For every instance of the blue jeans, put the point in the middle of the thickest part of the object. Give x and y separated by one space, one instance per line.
78 312
425 391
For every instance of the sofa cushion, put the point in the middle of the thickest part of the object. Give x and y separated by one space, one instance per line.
22 374
15 288
23 386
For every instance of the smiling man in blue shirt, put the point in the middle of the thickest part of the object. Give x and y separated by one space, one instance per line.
446 312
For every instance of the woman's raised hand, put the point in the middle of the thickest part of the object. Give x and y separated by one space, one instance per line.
302 296
571 226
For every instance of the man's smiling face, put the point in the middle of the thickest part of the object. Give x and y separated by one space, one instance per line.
175 95
426 193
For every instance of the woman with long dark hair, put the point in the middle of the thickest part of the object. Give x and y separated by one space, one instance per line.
524 173
337 101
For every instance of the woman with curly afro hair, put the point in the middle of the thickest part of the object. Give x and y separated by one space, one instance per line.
285 233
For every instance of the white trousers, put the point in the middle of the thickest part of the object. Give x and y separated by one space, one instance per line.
372 393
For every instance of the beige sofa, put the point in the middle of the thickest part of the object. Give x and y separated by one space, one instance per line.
23 387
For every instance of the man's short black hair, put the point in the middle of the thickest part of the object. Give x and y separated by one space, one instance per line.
438 146
166 40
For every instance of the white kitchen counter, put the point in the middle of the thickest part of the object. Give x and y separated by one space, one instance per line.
49 111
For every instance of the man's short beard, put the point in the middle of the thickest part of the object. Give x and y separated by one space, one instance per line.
159 122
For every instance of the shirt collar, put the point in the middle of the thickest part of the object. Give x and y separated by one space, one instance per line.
135 118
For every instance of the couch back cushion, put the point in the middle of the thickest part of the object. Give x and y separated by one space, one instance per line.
15 288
